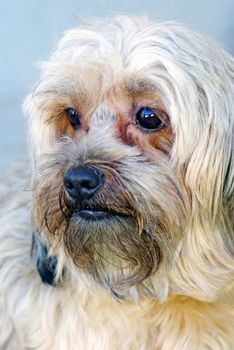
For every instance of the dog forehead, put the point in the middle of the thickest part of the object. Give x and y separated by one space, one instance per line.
131 43
166 52
133 40
132 52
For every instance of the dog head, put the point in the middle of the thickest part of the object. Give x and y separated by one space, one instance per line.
131 130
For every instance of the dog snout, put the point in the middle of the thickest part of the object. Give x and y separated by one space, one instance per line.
82 182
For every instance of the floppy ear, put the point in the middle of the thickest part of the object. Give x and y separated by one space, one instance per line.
40 135
207 253
210 166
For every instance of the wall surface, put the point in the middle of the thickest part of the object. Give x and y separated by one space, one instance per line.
30 29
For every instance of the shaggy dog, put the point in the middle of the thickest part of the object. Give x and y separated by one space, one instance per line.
130 207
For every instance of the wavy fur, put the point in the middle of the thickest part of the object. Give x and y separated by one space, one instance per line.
160 275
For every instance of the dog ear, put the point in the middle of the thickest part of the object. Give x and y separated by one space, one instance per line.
210 163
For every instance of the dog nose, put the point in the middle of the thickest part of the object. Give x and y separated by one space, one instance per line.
82 182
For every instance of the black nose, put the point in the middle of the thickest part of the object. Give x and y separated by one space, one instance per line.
82 182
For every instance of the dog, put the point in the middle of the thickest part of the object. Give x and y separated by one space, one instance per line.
120 232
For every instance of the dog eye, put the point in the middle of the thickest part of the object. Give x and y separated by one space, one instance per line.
74 117
148 119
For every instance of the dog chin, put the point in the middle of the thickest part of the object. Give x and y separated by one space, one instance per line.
108 245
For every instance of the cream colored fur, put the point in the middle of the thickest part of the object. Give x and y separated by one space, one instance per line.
188 303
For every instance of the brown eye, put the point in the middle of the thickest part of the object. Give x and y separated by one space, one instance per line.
74 117
148 119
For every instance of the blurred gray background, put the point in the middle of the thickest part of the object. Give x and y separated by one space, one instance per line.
30 29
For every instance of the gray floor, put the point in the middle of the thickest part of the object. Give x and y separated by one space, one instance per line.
29 30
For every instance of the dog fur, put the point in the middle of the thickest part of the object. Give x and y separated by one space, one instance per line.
160 275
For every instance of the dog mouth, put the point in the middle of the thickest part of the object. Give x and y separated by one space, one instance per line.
97 213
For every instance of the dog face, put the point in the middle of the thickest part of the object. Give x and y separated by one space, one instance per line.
131 129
